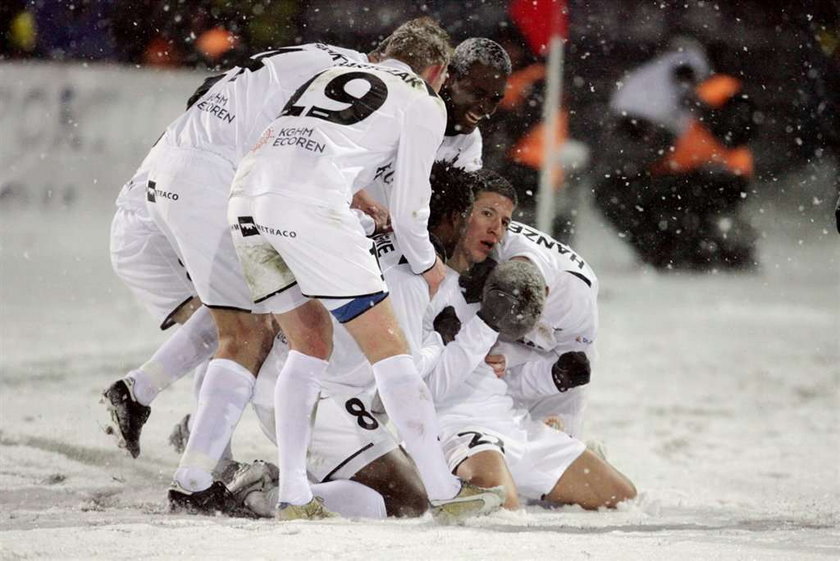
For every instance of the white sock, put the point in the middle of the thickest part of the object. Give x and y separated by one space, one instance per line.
346 498
295 395
409 406
192 343
226 390
198 379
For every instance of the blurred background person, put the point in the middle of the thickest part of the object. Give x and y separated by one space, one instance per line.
678 167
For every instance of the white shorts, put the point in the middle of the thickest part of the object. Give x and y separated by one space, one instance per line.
345 435
146 262
187 197
537 455
322 249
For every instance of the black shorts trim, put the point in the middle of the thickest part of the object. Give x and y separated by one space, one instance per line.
231 308
368 446
168 321
275 293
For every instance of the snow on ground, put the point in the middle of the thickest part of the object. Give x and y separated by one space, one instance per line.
717 394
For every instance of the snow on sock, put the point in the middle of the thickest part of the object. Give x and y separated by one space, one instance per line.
226 390
409 406
193 343
295 395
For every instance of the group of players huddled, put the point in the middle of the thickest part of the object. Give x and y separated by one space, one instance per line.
319 223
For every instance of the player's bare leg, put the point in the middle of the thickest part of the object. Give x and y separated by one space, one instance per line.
591 483
489 469
244 341
394 477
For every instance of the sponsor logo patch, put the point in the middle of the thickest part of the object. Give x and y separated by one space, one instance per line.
247 226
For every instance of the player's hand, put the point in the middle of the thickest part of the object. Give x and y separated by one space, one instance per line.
381 218
498 363
555 422
435 276
570 371
447 324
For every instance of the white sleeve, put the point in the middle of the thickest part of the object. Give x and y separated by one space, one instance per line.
533 380
460 357
470 158
424 123
410 298
569 406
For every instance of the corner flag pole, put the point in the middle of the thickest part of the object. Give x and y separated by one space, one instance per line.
551 111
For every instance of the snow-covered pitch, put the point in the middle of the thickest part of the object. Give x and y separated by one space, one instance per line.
717 394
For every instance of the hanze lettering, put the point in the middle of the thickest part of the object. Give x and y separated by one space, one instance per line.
546 242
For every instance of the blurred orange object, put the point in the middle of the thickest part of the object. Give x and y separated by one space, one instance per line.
697 147
215 42
160 52
718 89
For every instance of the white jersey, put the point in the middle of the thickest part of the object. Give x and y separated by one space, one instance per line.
465 388
228 119
338 130
464 150
569 321
651 91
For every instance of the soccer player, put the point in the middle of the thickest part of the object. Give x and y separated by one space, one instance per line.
189 174
474 86
304 253
482 440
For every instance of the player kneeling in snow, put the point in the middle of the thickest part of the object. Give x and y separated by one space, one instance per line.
485 439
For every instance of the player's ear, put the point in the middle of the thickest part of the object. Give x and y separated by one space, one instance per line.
435 75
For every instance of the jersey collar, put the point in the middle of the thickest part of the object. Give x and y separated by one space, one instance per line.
397 64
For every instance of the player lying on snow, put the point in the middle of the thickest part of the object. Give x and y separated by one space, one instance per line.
175 174
148 263
485 439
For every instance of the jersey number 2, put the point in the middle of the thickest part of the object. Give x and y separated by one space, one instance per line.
360 108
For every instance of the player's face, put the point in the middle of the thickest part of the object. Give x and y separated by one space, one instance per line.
486 225
472 97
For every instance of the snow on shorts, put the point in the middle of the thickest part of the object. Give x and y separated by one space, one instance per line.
143 258
537 455
187 196
290 248
345 435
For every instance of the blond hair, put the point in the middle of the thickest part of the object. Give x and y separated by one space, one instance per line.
420 43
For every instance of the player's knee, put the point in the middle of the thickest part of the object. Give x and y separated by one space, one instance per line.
622 490
247 342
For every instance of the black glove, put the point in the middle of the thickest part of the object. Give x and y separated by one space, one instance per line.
447 324
513 299
570 371
472 281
